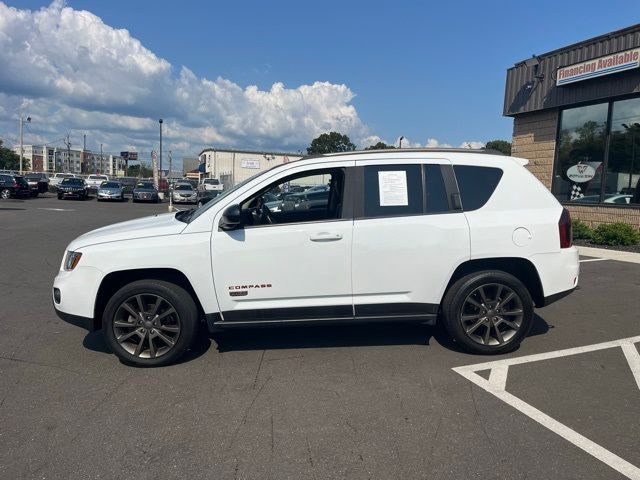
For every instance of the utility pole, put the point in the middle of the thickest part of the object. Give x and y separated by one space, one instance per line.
68 162
101 166
22 122
83 157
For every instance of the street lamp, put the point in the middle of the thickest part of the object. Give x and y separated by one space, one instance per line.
400 145
22 123
160 176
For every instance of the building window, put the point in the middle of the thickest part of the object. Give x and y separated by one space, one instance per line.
622 180
581 154
585 172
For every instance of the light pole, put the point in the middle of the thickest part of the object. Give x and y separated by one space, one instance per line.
22 122
169 184
400 145
160 177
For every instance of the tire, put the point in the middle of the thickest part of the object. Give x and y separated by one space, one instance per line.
34 194
5 193
59 196
148 335
200 204
490 325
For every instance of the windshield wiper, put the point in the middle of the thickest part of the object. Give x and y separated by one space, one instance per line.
185 215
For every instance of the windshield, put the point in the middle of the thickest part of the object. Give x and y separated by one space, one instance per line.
110 185
147 185
97 177
183 186
211 181
72 181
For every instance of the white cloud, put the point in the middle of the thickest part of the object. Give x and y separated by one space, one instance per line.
72 72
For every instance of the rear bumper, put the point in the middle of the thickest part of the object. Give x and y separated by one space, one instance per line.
558 271
557 296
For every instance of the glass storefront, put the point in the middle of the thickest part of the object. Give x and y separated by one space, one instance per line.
586 170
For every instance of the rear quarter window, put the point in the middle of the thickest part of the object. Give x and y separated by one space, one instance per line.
476 184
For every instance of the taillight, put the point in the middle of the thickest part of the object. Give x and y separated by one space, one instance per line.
565 229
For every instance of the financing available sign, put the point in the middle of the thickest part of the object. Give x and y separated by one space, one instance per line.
598 67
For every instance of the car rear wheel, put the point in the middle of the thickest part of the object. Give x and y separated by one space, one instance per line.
150 323
488 312
59 196
5 193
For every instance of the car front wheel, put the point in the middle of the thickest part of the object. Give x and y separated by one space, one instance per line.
5 193
488 312
150 323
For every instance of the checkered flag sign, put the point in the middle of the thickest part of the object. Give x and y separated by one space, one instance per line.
576 192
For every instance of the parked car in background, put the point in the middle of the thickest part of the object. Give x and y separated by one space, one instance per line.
38 183
184 193
94 181
73 188
110 191
57 178
145 192
211 184
13 186
128 184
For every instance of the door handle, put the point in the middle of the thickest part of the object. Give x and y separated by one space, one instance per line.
325 237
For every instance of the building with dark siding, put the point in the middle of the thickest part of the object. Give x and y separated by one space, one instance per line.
576 114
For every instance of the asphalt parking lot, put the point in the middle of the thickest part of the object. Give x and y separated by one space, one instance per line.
351 402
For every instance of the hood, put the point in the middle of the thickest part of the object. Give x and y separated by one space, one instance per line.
157 225
110 189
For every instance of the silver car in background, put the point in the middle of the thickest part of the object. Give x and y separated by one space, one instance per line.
184 193
110 190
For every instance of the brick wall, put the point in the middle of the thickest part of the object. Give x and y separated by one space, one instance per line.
534 138
594 216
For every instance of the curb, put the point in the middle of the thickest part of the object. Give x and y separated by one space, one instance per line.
618 255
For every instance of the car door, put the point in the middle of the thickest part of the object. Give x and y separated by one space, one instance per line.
299 266
408 237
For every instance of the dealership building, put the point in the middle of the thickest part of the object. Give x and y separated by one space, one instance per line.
576 114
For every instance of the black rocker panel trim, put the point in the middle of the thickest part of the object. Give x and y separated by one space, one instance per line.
297 313
391 309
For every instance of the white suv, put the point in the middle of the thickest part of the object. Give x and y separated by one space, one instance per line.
469 239
211 185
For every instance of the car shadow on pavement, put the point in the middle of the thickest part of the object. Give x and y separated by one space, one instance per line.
95 342
379 334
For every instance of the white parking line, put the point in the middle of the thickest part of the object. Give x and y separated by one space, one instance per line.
57 209
594 260
497 383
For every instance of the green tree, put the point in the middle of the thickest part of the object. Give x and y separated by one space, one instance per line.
329 143
379 146
139 171
499 145
10 160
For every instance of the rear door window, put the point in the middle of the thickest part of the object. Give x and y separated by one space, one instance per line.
476 184
392 190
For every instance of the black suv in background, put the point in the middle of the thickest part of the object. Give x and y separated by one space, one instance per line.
38 183
13 186
73 187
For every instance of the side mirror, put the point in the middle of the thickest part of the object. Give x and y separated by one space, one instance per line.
230 218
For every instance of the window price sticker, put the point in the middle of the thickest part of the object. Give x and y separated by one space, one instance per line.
393 188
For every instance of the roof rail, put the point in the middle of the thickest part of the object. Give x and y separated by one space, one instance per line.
402 150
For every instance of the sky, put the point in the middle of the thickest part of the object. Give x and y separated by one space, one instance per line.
273 75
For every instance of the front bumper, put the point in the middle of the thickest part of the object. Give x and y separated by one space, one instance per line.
185 199
110 196
71 193
77 291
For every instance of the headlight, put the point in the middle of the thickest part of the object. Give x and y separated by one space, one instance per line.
72 260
